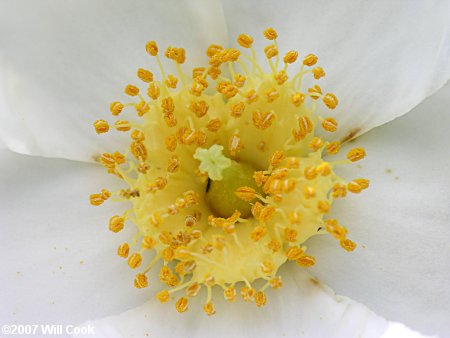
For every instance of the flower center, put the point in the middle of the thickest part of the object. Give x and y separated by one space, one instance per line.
225 173
225 177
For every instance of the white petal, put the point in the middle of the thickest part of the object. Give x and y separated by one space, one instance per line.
303 307
401 222
381 58
61 65
59 262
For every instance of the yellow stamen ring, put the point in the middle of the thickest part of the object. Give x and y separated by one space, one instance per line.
224 173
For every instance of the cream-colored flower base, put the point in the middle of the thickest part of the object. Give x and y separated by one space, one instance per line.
225 172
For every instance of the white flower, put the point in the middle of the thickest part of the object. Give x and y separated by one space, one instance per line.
61 65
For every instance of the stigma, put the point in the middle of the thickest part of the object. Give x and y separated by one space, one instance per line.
230 169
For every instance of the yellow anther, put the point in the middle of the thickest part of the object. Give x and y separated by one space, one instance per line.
272 95
318 72
230 294
107 160
176 54
309 192
262 120
145 75
198 72
305 125
170 120
171 81
356 154
333 147
118 157
293 163
358 185
233 54
293 253
155 219
115 108
152 48
315 92
101 126
131 90
234 145
348 245
330 124
251 96
96 199
267 267
323 169
153 91
199 108
276 158
137 135
148 243
202 81
230 91
171 142
140 281
196 89
247 293
163 296
116 223
337 231
201 137
316 143
142 108
214 125
266 213
290 57
193 290
182 252
323 206
123 250
295 217
245 40
260 178
330 100
310 173
213 50
281 77
271 51
209 309
306 261
237 109
258 233
138 150
270 34
310 60
164 274
260 298
297 99
167 105
246 193
167 254
339 190
274 245
173 164
239 80
122 125
134 260
276 282
290 234
209 280
214 72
